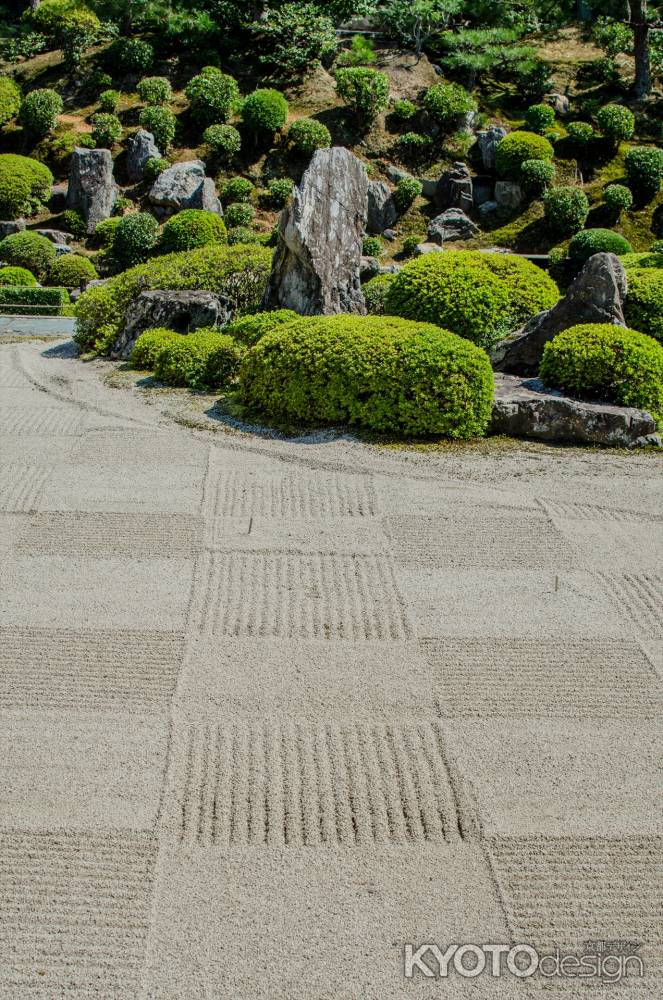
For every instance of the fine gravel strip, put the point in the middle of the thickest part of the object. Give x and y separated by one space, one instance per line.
270 709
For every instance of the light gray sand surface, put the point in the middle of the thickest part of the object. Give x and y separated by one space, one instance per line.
270 710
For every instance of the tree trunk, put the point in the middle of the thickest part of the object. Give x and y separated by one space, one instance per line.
583 11
640 26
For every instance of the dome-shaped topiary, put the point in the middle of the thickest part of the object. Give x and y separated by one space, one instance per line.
606 362
154 166
213 97
24 185
536 176
566 210
478 296
18 276
10 100
106 130
378 372
162 123
135 238
131 55
644 168
155 90
239 214
307 135
364 91
372 246
204 359
644 300
237 189
265 111
539 118
224 141
28 250
39 112
192 228
70 270
580 133
590 241
516 147
149 345
248 330
109 101
375 293
616 122
447 102
104 233
406 193
618 198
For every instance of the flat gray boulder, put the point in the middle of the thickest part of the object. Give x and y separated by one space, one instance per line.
317 262
56 236
382 212
92 189
523 407
10 227
596 296
181 311
453 224
455 188
140 148
185 185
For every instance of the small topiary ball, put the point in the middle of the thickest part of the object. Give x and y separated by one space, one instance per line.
154 166
104 233
644 300
618 198
566 209
307 135
10 100
644 168
413 146
162 123
406 193
135 238
539 118
372 246
131 55
447 102
106 130
39 112
580 133
279 192
590 241
149 345
18 276
70 270
192 228
155 90
242 234
375 293
237 189
239 214
516 147
248 330
109 101
606 362
616 122
213 97
223 141
29 250
536 176
265 111
404 110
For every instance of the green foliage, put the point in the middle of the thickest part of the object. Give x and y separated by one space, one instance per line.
70 270
307 135
135 238
590 241
644 300
192 228
154 166
539 118
612 36
415 21
477 52
478 296
242 234
149 345
536 176
516 147
294 37
406 193
360 53
616 122
106 130
39 112
566 210
618 198
213 97
381 373
279 192
224 141
104 234
364 91
651 258
131 55
602 361
265 111
239 214
410 244
10 100
33 301
73 222
237 189
580 133
375 293
18 276
447 102
204 359
155 90
109 101
656 248
404 110
644 168
24 185
162 123
70 25
372 246
28 250
237 273
248 330
413 145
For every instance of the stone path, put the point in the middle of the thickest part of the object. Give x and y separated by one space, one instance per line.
270 710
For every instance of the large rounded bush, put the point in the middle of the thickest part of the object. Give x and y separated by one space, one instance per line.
644 301
602 361
106 130
155 90
566 210
192 228
24 185
265 111
28 250
10 100
39 112
477 296
644 167
213 97
590 241
149 345
224 141
204 359
17 276
616 122
364 91
536 176
135 238
516 147
378 372
162 123
539 118
375 293
248 330
70 270
307 135
447 102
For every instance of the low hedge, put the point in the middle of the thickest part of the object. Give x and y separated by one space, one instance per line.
192 228
651 258
381 373
248 330
19 301
590 241
205 359
644 301
19 276
602 361
149 345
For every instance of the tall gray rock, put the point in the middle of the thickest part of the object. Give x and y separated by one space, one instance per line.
140 148
92 189
185 185
382 212
596 296
488 140
316 268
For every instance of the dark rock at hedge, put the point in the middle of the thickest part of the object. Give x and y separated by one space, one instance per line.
181 311
10 227
92 189
488 140
56 236
455 189
453 224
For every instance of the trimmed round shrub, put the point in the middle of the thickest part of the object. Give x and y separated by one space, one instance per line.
265 111
155 90
248 330
516 147
10 100
104 233
590 241
154 166
447 102
73 222
657 247
223 141
237 189
135 238
606 362
279 192
616 122
242 234
406 193
644 168
377 372
536 176
618 198
375 293
372 246
239 214
106 130
580 133
364 91
213 97
70 270
24 185
404 110
192 228
566 210
29 250
644 301
204 359
162 123
149 345
109 101
480 297
307 135
539 118
131 55
18 276
410 244
39 112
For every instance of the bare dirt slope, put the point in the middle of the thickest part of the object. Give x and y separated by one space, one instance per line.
270 710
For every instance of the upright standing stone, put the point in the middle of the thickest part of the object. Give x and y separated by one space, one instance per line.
140 148
488 141
454 188
382 212
316 267
92 189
